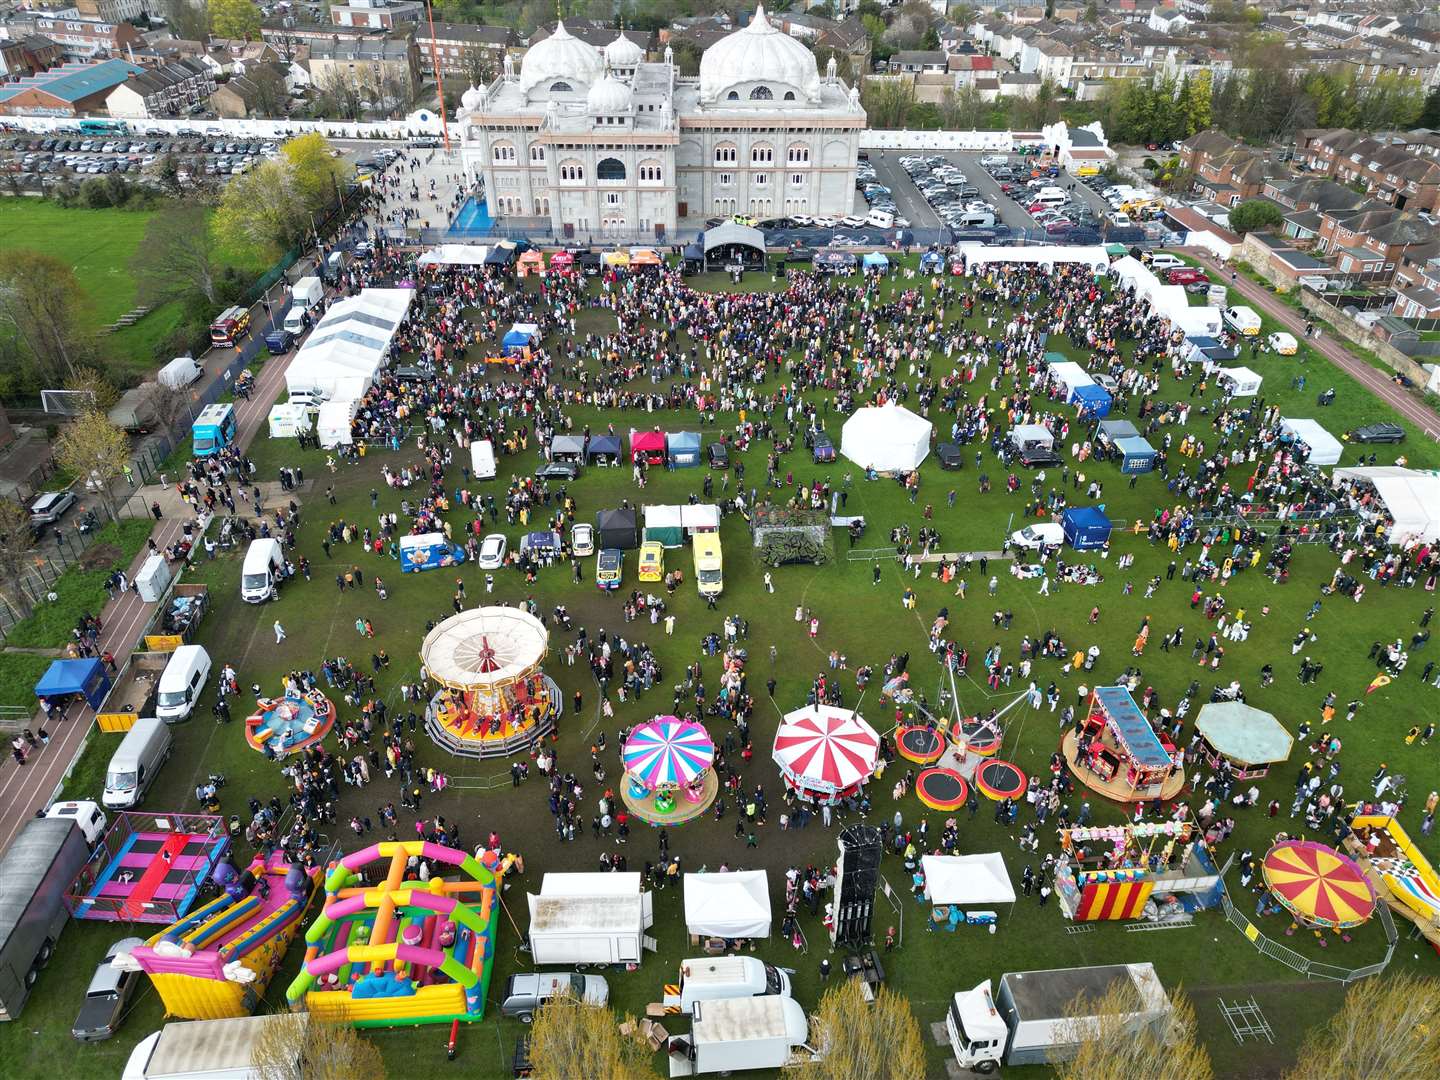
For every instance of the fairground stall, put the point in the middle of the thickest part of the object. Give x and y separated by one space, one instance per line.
668 778
494 699
825 754
1250 739
1114 871
1116 753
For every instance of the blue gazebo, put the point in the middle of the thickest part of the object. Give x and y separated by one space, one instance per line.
875 260
682 449
86 677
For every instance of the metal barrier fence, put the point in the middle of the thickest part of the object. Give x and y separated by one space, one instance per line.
1303 964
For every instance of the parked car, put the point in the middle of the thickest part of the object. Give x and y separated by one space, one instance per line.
823 449
493 550
1377 433
558 470
526 993
609 568
719 455
582 539
107 995
652 560
50 507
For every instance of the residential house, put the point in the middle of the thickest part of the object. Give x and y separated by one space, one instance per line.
1417 289
71 89
1383 165
966 69
802 26
89 37
852 41
29 55
111 11
377 14
465 50
246 95
1018 84
913 61
1279 262
368 65
1366 243
173 89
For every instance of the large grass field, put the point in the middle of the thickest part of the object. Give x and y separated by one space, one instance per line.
98 245
865 622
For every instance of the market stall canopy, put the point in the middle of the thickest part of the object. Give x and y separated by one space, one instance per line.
980 255
1136 454
1091 401
455 255
833 260
484 647
733 904
502 254
85 677
647 443
1411 497
665 524
1242 382
343 355
333 422
875 260
700 517
287 421
886 438
644 257
602 446
1244 734
567 446
562 260
616 529
1118 429
683 448
1325 449
967 879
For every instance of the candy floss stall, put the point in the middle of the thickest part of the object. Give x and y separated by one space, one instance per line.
1159 871
1116 753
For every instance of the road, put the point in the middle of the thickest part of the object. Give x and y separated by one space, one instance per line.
27 789
1373 379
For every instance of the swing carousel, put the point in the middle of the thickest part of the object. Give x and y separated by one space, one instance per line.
493 700
668 778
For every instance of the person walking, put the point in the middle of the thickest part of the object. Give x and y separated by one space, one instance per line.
279 632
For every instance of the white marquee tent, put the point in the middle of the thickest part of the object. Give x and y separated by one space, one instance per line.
981 255
733 904
967 879
332 425
1411 497
288 421
1240 381
343 355
454 255
1325 449
1070 375
886 438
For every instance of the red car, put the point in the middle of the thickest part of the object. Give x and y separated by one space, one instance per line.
1186 275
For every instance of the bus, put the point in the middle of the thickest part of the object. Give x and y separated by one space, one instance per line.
103 127
213 430
709 570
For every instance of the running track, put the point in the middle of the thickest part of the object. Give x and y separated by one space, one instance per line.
25 790
1377 382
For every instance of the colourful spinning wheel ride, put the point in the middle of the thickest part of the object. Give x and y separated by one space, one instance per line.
1318 885
667 753
825 753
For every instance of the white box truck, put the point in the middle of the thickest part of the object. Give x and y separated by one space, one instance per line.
180 373
482 459
708 978
587 919
1026 1022
201 1050
305 299
732 1034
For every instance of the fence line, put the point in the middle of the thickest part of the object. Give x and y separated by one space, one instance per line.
1303 964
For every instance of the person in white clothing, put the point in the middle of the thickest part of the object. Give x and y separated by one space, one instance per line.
279 632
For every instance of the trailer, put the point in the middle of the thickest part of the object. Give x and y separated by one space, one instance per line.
35 873
201 1050
184 608
1026 1022
590 919
135 411
732 1034
132 694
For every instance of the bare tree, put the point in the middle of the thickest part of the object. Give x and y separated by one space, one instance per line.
573 1039
178 256
1385 1028
17 544
95 450
41 299
302 1046
167 404
862 1040
1118 1036
99 390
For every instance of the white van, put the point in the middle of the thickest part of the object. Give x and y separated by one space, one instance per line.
975 219
1051 196
881 219
482 459
1163 260
180 373
710 978
263 570
1241 319
136 763
181 683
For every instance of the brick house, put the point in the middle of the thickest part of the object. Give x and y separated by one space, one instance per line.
1367 243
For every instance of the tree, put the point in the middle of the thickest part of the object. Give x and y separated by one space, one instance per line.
571 1038
963 109
1430 111
262 208
269 96
316 172
1385 1028
301 1046
888 101
186 20
339 97
234 19
860 1040
100 392
17 543
1253 215
178 256
95 450
1110 1047
41 299
167 403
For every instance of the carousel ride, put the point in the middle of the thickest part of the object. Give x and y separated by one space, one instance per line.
668 778
1116 753
1321 888
494 700
290 723
825 753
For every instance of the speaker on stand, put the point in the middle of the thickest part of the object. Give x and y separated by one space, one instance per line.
857 877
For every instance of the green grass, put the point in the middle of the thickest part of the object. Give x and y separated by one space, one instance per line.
98 245
19 673
78 589
867 624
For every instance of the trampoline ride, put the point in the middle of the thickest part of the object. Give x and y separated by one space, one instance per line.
494 699
288 724
922 745
998 780
1318 885
941 789
667 771
825 754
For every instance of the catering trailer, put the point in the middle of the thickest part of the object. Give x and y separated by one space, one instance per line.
1026 1022
733 1034
590 919
201 1050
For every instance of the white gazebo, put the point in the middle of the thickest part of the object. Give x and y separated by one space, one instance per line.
886 438
731 904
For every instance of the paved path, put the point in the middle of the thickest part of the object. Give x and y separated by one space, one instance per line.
26 789
1377 382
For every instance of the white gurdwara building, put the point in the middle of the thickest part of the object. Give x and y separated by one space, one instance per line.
603 142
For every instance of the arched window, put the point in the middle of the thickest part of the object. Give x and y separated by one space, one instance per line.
537 155
789 95
561 88
798 154
725 155
502 152
610 169
762 154
572 171
732 96
761 93
649 172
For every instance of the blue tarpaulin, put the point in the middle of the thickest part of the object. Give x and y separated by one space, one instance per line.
1086 527
1093 401
85 677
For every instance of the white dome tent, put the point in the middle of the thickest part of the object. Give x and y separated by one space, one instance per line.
886 438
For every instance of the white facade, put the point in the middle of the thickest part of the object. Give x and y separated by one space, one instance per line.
604 142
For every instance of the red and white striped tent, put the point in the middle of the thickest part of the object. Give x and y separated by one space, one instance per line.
825 753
